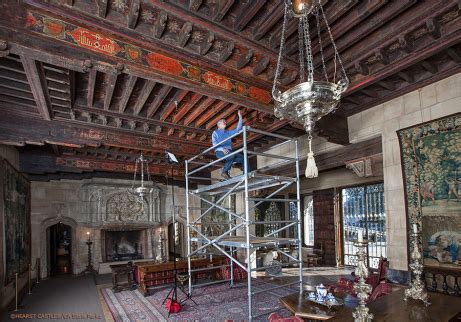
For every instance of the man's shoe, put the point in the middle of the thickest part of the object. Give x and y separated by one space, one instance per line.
226 175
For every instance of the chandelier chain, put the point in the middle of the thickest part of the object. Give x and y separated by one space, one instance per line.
301 51
134 175
307 39
334 45
317 18
275 92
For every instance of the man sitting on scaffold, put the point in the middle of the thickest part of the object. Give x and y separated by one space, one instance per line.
220 135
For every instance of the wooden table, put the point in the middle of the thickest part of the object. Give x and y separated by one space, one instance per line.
299 306
389 308
393 308
123 270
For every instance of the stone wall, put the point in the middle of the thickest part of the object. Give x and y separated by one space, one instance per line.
81 204
423 105
428 103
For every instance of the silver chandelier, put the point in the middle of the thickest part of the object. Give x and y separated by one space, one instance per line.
138 187
313 97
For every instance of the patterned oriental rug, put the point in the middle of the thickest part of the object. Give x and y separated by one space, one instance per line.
215 303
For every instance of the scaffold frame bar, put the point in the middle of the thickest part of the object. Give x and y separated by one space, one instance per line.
237 233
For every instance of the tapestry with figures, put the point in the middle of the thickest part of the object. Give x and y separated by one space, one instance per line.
431 165
16 221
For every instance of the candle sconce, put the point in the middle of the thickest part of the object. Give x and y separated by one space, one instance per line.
362 289
417 290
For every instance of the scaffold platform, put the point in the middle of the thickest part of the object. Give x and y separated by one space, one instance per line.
237 231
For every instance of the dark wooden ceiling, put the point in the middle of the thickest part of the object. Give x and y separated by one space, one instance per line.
86 85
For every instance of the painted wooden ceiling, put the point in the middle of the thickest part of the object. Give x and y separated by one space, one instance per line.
86 85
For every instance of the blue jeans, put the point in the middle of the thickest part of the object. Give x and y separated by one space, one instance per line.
236 158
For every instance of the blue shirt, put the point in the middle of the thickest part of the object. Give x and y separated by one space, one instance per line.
221 135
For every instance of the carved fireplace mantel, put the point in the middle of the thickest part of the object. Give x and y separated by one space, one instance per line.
112 206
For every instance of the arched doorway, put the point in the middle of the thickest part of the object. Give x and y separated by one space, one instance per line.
59 240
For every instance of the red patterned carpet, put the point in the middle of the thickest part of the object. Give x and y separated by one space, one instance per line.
215 303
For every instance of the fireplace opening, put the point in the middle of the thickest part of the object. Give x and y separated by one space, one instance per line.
124 245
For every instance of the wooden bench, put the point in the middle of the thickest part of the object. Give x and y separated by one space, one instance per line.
151 274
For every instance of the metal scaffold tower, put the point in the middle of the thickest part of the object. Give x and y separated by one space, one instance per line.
240 232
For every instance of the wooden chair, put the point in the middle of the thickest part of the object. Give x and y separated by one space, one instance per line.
317 255
375 279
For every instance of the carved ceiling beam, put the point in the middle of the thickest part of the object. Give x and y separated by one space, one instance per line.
247 13
133 13
22 95
172 105
184 34
405 82
454 55
205 45
354 13
199 110
71 76
160 45
339 133
90 88
102 8
269 21
408 51
225 113
36 77
390 86
158 100
128 89
145 93
357 34
67 133
160 24
407 77
138 123
110 86
220 9
244 59
43 164
186 107
251 96
430 67
261 66
212 111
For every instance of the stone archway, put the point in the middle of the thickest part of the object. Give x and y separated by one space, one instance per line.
44 242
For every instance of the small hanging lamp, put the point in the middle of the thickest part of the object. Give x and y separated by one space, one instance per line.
138 188
318 94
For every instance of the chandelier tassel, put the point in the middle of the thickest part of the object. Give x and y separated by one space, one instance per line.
311 169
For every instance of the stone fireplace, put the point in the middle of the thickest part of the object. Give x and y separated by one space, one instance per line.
123 245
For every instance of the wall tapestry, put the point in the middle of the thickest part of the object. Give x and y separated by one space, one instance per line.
270 211
16 221
431 165
214 223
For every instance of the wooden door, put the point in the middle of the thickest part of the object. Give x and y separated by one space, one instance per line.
324 224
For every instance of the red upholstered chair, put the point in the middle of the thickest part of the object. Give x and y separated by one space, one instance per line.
380 290
275 317
224 272
346 285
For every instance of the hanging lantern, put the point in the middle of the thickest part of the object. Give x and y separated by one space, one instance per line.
138 188
315 96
